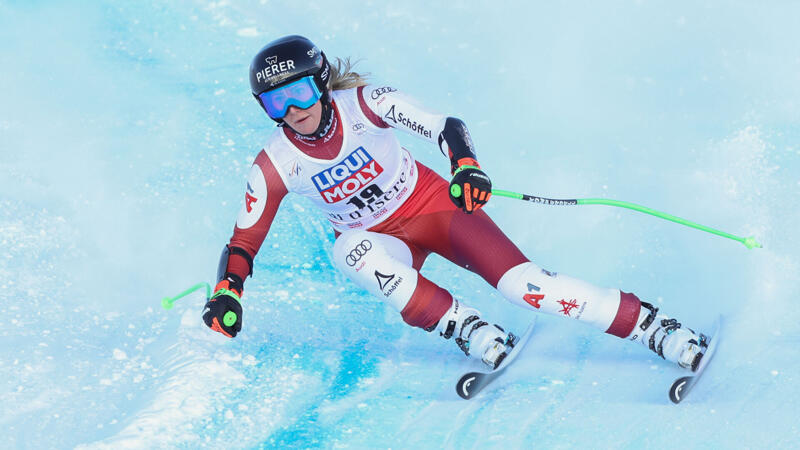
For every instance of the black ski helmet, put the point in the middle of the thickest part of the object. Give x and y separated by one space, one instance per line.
285 60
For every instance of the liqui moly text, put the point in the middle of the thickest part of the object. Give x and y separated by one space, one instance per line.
347 177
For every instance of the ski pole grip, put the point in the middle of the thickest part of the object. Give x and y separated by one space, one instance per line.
455 190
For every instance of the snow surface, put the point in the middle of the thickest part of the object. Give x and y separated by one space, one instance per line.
126 133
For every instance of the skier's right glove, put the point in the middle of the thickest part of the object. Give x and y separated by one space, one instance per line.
223 312
470 187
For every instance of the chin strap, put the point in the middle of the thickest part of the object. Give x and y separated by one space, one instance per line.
326 120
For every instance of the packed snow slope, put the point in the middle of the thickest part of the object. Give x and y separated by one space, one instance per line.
126 132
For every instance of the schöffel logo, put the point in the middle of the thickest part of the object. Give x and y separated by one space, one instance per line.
383 282
346 178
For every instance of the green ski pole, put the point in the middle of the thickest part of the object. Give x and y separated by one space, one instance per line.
749 242
168 302
230 317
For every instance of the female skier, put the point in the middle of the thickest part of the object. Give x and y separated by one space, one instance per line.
335 145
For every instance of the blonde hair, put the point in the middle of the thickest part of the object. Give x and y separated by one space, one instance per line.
343 77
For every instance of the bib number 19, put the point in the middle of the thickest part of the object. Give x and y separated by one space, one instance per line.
368 196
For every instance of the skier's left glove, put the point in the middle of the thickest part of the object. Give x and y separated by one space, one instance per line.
223 311
470 187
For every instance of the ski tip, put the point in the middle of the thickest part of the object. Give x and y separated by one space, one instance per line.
468 386
676 391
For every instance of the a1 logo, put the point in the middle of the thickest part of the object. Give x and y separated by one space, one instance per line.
255 198
533 299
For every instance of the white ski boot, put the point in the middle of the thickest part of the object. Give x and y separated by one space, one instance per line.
668 339
475 337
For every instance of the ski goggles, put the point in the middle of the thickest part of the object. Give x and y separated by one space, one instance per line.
302 93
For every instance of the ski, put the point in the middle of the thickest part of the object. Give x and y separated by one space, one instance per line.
683 385
472 383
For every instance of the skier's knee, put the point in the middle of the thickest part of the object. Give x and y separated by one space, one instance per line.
524 284
350 247
378 263
532 287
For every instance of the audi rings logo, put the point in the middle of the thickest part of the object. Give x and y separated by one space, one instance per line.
356 253
380 91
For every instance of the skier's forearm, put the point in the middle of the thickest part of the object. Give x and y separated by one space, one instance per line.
386 107
235 264
264 194
456 143
237 258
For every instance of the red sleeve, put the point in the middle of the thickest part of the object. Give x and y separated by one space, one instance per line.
371 115
264 193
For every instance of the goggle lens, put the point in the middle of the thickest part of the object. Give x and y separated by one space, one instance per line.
302 93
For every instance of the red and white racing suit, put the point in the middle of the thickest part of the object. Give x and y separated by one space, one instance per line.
390 212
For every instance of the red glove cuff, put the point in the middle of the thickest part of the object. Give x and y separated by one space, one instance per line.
468 162
225 284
